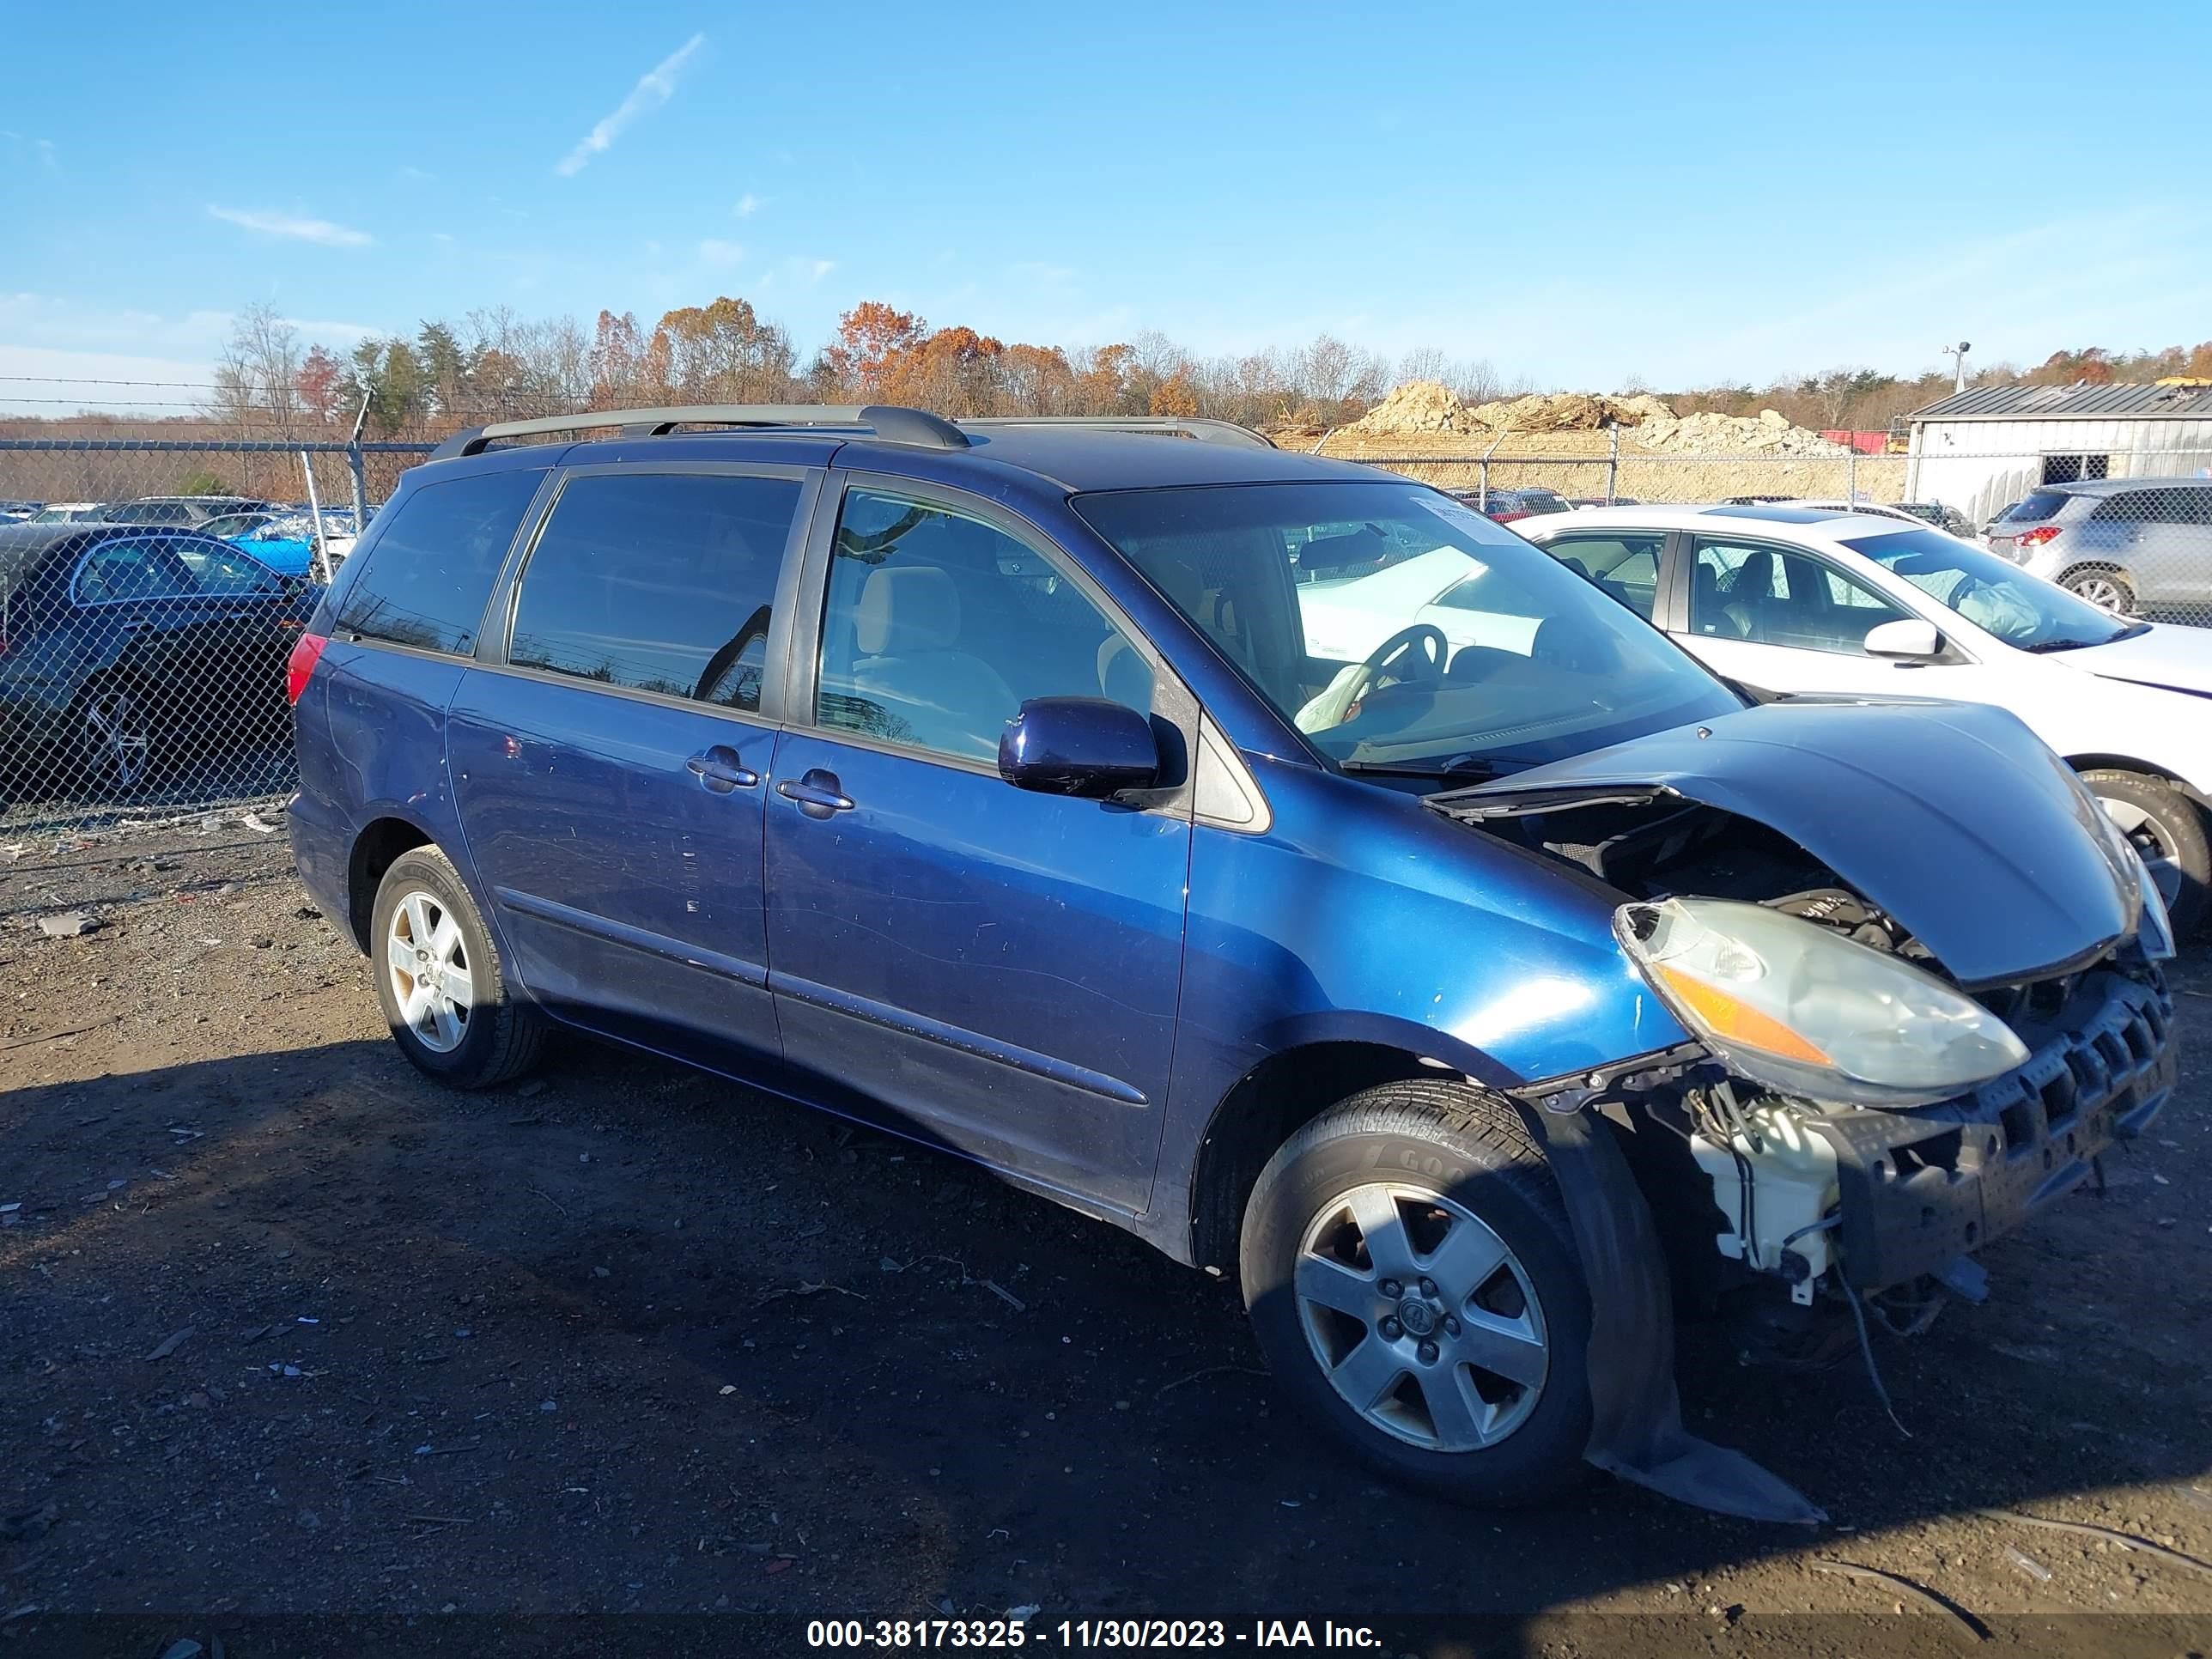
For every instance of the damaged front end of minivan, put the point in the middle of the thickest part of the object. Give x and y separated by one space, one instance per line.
1922 983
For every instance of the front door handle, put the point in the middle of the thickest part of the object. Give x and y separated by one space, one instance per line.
718 771
817 792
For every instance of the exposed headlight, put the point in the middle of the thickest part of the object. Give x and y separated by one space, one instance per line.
1805 1011
2153 925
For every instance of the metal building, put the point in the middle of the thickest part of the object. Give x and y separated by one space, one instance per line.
1979 450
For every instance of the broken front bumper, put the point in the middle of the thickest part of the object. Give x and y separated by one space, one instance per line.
1921 1187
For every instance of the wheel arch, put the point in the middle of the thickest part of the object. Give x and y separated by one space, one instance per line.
1296 1082
381 841
2101 761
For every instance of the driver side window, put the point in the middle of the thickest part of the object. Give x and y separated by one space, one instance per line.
937 627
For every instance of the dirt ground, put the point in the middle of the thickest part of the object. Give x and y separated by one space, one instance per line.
285 1329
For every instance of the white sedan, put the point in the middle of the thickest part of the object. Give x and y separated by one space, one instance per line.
1789 598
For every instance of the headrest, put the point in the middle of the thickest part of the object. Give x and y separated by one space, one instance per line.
904 610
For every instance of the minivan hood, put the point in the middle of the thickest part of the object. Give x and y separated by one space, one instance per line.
1953 817
2179 659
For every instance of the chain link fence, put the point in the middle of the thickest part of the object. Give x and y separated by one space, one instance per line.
150 594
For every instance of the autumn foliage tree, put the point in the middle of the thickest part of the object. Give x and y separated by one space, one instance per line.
868 336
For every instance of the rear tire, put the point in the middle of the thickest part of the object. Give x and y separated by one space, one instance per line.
2168 831
2102 587
1413 1280
113 728
439 981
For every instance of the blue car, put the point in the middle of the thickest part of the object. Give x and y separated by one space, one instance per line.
284 541
1466 1002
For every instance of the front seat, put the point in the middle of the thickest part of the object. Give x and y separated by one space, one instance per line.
1709 613
932 693
1750 590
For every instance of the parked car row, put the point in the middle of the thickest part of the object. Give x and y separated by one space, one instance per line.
1281 860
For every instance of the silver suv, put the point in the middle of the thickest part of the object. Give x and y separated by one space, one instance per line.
2126 544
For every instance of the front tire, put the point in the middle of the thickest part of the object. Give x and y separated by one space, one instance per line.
1411 1278
438 978
2168 832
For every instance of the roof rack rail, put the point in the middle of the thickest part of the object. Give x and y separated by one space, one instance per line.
888 422
1206 431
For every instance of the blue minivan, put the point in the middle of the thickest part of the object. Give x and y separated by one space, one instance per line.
1478 1006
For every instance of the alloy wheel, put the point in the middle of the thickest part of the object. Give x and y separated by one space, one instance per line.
428 963
1421 1317
2102 592
117 743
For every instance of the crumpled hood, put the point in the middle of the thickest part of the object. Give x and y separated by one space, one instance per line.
1952 816
2162 654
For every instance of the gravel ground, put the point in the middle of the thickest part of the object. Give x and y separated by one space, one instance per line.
286 1330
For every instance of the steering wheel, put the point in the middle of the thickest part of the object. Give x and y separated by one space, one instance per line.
1415 653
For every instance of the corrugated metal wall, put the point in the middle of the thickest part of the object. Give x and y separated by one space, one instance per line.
1978 467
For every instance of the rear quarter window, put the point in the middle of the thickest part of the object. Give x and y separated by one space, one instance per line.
426 581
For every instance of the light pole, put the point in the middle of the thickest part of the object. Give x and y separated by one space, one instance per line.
1958 354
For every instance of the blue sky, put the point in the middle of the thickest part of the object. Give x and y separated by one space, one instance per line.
1581 194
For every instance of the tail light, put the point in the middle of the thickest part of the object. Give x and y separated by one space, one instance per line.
2035 538
300 666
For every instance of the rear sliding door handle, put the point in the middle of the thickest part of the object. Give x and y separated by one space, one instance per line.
718 771
817 792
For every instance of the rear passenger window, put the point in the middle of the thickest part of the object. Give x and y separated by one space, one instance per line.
430 572
657 582
937 627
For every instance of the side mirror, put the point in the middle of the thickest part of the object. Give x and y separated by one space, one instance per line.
1085 746
1909 639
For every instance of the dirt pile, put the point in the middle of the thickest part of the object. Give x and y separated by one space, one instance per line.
1429 406
1768 433
1569 411
1416 406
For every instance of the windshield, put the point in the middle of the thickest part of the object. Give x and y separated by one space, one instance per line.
1990 593
1435 640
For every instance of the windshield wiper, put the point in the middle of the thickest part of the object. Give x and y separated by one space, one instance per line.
2042 647
1474 768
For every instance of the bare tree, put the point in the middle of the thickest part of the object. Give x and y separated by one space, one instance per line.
258 372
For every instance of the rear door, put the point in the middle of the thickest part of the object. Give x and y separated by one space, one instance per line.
611 749
981 967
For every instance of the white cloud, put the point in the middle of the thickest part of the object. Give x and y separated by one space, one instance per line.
653 88
715 252
418 175
23 148
816 270
1036 271
748 204
293 226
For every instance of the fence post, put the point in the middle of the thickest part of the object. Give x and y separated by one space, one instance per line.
353 466
1612 461
1482 487
1852 473
315 513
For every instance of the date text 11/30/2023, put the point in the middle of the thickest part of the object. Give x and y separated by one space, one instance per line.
1087 1633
